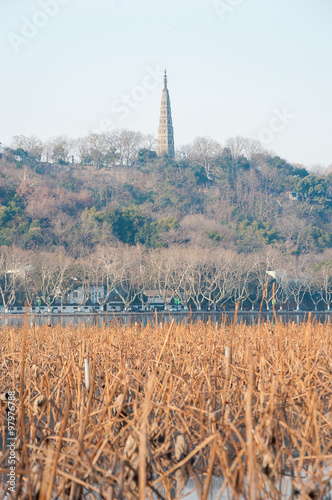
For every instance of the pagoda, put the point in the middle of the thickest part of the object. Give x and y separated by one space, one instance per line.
165 132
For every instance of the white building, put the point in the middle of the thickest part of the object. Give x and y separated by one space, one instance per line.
81 295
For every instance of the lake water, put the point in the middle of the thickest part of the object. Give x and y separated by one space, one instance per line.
101 319
217 492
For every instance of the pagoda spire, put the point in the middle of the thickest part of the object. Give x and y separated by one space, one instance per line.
165 132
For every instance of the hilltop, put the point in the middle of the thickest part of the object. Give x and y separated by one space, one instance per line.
112 188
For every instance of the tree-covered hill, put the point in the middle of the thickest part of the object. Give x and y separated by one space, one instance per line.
112 187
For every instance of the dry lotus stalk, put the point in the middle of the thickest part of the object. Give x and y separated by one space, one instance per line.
181 448
95 448
39 403
181 476
130 447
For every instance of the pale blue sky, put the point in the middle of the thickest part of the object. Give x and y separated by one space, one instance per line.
229 73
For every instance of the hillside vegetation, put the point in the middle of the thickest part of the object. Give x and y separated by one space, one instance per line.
209 228
113 188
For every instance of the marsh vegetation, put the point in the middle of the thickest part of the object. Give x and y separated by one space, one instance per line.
133 411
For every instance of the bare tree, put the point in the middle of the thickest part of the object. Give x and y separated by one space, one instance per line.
102 150
102 268
82 281
316 283
252 150
297 277
32 145
82 150
242 272
150 142
163 265
146 279
204 153
30 279
220 278
130 264
237 146
56 280
324 276
129 144
13 265
58 149
180 279
193 271
268 268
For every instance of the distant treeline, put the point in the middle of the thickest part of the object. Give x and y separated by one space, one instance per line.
192 276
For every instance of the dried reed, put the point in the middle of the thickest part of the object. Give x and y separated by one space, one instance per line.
154 413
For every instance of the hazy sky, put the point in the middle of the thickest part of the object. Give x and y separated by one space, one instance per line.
255 68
